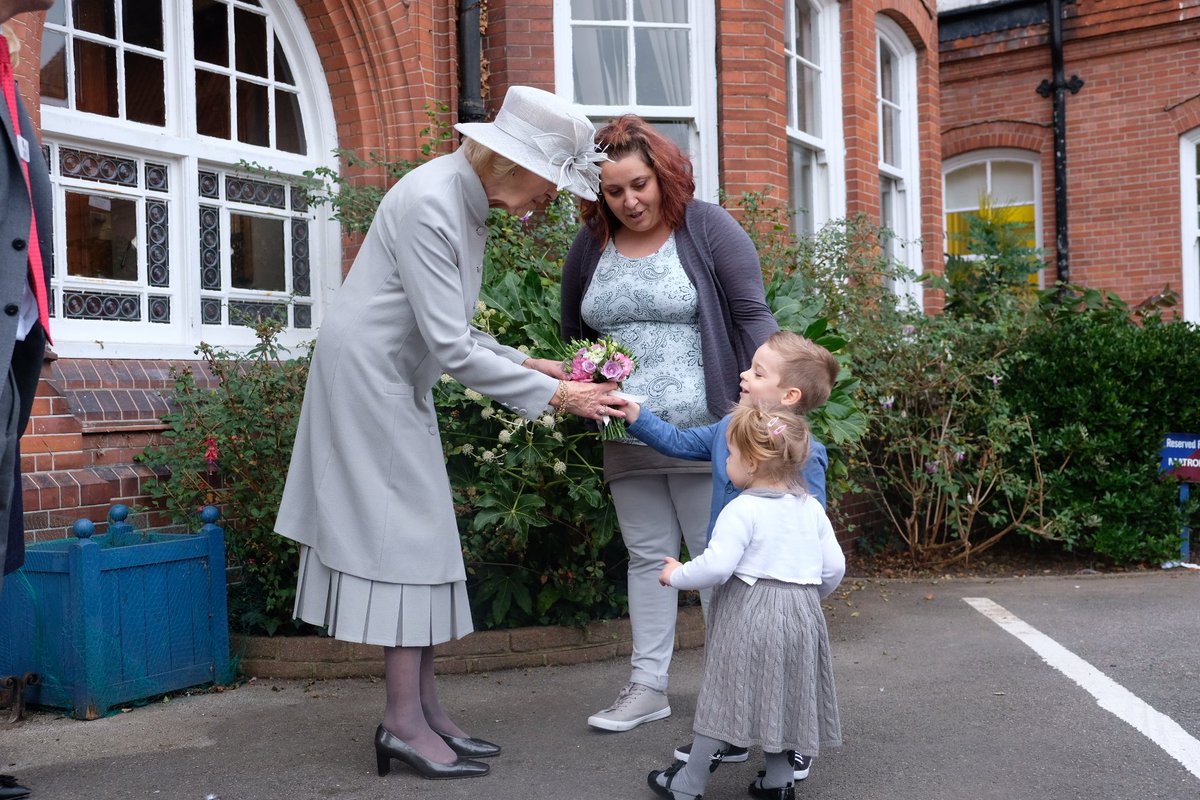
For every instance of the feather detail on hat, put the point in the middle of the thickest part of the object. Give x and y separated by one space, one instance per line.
576 161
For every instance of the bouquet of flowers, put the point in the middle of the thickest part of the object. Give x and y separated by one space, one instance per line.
600 361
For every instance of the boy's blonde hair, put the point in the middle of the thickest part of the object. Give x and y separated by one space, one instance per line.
806 366
776 439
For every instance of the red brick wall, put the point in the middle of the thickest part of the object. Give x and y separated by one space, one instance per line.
385 62
1139 63
751 98
518 47
861 120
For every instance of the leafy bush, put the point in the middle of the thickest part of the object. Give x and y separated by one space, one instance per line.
953 466
539 535
1103 391
943 456
228 444
989 275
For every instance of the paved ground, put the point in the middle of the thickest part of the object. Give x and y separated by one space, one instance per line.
938 703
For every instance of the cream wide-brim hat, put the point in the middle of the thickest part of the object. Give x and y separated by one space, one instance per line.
547 136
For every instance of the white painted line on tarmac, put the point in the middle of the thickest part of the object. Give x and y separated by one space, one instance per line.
1110 695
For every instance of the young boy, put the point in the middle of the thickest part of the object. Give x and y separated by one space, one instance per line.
787 370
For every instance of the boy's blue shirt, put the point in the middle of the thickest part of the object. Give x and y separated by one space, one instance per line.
708 444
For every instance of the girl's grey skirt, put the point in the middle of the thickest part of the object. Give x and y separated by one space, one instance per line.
356 609
768 675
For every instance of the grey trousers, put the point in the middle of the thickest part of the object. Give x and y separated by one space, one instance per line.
657 513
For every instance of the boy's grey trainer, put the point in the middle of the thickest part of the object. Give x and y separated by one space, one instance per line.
634 705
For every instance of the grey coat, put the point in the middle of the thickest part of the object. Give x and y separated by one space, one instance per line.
367 487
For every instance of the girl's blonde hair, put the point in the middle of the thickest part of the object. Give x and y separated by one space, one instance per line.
774 438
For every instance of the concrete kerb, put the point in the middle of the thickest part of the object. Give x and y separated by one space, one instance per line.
317 657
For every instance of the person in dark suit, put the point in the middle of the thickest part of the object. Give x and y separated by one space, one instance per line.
25 251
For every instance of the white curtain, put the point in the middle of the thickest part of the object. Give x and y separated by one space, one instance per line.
664 64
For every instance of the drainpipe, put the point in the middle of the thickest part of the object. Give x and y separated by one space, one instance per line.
470 52
1058 87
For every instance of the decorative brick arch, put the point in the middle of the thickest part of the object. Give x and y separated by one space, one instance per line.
1185 116
999 133
385 62
916 17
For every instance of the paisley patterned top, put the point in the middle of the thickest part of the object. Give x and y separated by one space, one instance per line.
649 305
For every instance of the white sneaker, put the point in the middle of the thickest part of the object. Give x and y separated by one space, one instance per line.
634 705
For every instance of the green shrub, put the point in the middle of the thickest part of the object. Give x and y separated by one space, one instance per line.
229 445
990 277
538 531
950 462
943 456
1103 391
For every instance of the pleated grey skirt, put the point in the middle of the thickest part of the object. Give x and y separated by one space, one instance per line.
355 609
768 674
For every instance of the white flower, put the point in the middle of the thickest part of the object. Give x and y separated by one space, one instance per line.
488 456
446 378
505 437
546 420
468 448
480 306
557 436
488 412
559 467
473 395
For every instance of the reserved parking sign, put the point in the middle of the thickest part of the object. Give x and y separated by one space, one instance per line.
1180 456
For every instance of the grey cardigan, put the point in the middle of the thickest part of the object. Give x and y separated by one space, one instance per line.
723 265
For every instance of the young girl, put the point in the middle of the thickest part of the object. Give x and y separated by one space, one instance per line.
768 676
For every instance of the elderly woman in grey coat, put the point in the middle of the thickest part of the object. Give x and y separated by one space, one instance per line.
367 495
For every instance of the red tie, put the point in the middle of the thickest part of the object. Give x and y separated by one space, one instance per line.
37 275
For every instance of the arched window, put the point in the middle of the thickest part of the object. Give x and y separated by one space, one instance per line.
151 112
1004 181
616 57
1190 173
812 63
899 152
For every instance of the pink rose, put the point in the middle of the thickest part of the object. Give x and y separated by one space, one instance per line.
625 364
612 370
578 371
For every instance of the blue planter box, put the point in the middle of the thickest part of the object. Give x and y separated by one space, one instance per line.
110 619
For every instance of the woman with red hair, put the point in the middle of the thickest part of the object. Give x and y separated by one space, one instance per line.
677 281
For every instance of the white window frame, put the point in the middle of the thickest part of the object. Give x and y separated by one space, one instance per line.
1189 173
701 112
989 156
829 182
185 155
906 177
